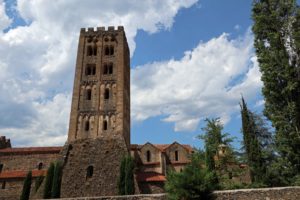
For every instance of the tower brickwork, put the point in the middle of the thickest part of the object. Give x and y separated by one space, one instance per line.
99 129
101 94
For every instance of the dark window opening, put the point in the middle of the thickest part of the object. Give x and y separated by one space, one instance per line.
89 50
87 126
3 185
109 50
105 125
105 68
40 166
106 50
93 70
90 69
176 155
106 94
110 68
95 49
148 156
89 171
1 167
88 94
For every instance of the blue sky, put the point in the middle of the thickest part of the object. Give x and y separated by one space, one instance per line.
189 60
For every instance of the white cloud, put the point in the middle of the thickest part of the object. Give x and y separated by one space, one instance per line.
207 82
4 19
37 61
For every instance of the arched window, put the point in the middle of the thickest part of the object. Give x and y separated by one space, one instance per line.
87 126
106 93
148 156
109 50
40 166
88 94
89 51
176 156
90 69
105 125
89 171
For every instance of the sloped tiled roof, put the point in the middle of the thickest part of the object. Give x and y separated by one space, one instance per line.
150 177
21 174
162 147
31 150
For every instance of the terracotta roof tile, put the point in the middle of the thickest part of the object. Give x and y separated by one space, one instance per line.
30 150
150 177
162 147
21 174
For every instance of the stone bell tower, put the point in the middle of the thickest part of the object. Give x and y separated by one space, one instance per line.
99 129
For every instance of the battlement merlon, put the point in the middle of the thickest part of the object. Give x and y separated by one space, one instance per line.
101 29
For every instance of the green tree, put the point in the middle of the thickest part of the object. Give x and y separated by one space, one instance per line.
49 181
55 190
194 182
213 138
38 182
277 41
26 187
126 178
251 144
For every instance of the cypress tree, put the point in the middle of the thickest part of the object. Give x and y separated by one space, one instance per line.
251 144
48 182
277 41
126 178
26 187
129 176
55 190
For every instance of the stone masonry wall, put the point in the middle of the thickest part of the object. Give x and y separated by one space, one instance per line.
104 156
284 193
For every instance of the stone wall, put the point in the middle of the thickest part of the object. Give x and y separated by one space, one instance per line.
27 162
104 156
284 193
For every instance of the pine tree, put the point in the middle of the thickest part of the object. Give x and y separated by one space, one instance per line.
26 187
277 41
252 145
55 190
49 181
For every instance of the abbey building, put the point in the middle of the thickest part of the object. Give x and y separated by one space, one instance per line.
99 130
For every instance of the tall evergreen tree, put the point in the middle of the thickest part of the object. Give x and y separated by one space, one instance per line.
277 41
49 181
26 187
126 178
55 190
252 144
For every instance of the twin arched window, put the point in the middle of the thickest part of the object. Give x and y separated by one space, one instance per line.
109 50
108 68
